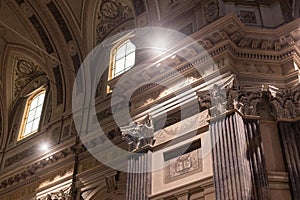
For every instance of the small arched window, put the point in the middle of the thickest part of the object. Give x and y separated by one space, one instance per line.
32 114
123 58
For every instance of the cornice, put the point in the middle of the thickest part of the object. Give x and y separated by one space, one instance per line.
33 171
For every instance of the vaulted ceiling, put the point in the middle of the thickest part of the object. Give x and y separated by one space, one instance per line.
50 38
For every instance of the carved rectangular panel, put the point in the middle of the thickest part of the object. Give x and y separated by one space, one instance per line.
183 166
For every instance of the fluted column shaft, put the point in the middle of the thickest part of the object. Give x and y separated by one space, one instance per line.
139 176
238 161
289 133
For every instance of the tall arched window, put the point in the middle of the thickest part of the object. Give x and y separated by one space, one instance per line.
123 58
32 114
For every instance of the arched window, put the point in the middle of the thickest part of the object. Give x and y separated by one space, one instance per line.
123 58
32 114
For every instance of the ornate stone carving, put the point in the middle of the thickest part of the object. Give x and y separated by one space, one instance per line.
245 42
25 71
248 17
211 11
139 134
27 10
267 44
57 176
139 7
185 164
287 103
218 101
32 169
72 48
63 194
110 15
258 68
177 127
279 104
20 156
206 44
255 44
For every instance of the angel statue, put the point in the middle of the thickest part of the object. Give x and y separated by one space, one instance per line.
139 134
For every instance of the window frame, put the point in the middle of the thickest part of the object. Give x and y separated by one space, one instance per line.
29 100
113 59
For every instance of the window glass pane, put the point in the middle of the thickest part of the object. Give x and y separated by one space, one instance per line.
130 59
31 115
130 48
28 128
119 66
33 104
41 99
38 112
120 52
35 125
124 59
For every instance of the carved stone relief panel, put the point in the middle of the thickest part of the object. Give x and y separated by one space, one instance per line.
69 129
248 17
182 127
211 10
139 7
110 15
183 165
24 72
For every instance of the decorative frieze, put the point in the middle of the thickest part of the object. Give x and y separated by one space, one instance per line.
182 127
56 176
35 167
20 156
280 103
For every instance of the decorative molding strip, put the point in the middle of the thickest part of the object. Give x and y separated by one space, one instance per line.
34 168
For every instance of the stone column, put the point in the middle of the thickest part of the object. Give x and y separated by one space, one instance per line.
238 162
139 176
289 133
140 140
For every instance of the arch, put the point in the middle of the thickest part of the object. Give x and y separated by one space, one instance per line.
14 104
11 54
120 16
